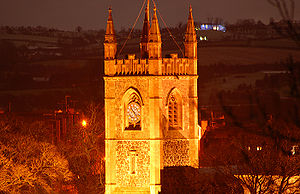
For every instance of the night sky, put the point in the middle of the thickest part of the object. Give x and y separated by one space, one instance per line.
92 14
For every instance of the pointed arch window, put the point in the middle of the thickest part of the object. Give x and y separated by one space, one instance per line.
132 110
174 111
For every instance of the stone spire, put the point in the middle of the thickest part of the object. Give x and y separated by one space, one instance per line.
146 26
155 35
110 31
190 34
110 42
145 33
190 41
154 44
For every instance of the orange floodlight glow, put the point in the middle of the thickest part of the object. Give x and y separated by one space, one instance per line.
83 123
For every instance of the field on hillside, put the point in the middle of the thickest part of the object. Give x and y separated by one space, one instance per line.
68 63
244 55
25 38
79 77
227 83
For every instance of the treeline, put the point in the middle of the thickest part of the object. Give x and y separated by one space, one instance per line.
31 163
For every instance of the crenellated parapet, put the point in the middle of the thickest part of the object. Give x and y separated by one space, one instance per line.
133 66
175 66
179 66
130 66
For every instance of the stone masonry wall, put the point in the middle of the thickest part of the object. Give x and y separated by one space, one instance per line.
176 153
142 176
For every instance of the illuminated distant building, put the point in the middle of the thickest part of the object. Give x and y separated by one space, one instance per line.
208 32
151 111
215 27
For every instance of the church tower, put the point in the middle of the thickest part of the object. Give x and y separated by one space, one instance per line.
151 111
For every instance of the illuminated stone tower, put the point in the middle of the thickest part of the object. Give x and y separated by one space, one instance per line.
151 118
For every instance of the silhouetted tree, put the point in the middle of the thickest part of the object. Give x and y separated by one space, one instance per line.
84 150
30 166
286 9
78 29
266 161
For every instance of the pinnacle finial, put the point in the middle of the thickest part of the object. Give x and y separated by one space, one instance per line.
109 13
154 30
190 34
147 10
190 12
154 12
110 26
110 42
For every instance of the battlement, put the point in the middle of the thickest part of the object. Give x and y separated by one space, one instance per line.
175 65
133 66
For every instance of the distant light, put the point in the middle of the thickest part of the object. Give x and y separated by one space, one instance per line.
203 38
215 27
83 123
294 148
258 148
59 111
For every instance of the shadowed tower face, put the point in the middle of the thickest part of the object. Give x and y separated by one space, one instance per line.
145 34
151 118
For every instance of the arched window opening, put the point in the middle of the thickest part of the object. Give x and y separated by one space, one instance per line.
174 112
133 113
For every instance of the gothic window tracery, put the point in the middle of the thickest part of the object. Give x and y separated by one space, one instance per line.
174 111
133 112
